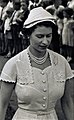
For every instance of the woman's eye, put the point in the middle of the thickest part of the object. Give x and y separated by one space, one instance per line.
40 36
49 35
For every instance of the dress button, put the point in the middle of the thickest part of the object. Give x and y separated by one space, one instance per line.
44 81
42 73
44 90
43 105
44 98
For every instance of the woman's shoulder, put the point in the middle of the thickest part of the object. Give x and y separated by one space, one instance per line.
56 57
61 65
10 65
17 57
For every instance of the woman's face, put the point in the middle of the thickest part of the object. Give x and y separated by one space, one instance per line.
41 38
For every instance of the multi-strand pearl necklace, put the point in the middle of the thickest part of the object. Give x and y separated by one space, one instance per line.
37 60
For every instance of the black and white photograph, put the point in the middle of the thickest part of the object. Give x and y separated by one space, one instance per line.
36 59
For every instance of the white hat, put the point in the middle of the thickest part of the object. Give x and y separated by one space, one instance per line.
38 15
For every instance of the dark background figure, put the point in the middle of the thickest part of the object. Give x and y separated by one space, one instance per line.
59 15
17 24
8 33
3 4
55 44
16 6
45 3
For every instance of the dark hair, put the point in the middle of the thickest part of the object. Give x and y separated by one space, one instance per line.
60 14
26 1
5 1
69 11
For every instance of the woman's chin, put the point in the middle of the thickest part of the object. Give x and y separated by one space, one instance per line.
41 50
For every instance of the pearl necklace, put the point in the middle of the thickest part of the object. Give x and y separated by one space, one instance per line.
37 60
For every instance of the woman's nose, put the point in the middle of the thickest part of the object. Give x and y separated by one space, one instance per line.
45 41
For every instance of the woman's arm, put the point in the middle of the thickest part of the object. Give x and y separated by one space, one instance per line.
67 101
5 94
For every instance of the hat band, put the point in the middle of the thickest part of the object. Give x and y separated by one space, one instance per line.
38 21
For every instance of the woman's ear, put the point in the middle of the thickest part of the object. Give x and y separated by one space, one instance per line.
28 37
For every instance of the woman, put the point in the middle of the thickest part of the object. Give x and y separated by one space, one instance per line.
68 34
37 74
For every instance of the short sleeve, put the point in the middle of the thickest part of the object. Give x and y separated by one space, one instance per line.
68 71
8 73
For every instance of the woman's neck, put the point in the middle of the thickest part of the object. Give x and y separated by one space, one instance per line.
36 53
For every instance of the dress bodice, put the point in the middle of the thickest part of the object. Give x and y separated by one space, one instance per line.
42 92
36 89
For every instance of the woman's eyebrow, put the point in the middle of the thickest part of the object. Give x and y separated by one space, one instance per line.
42 33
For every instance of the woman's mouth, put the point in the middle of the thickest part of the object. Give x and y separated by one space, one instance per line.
43 46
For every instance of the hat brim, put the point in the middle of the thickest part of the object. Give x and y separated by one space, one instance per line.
36 22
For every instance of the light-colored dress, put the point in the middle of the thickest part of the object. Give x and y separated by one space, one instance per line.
37 90
68 33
